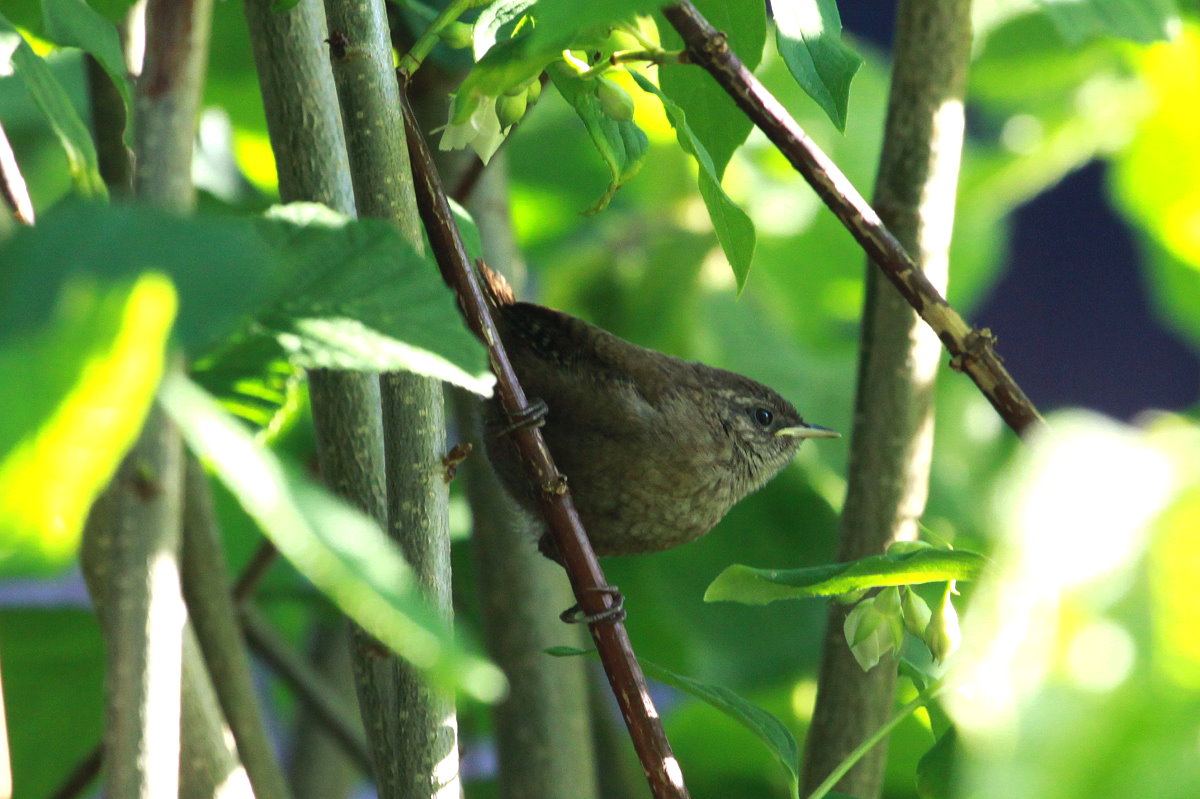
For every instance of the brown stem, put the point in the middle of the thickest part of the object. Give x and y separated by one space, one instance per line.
254 570
308 685
612 642
972 351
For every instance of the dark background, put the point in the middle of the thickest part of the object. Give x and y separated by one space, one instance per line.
1071 308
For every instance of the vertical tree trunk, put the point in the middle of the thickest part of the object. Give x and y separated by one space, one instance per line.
130 561
893 420
413 731
157 682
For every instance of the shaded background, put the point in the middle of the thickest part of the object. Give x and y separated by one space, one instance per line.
1070 307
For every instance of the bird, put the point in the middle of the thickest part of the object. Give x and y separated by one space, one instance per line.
656 449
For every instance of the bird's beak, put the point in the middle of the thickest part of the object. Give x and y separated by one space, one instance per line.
808 431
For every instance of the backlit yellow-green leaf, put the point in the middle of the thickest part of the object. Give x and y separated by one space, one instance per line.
75 395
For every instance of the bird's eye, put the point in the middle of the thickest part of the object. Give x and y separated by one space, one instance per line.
763 416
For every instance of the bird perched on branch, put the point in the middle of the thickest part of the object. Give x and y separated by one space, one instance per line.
656 449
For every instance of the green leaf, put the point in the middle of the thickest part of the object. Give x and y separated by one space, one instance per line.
751 586
467 228
717 121
768 729
52 99
254 380
622 145
733 227
559 26
342 551
359 297
73 23
808 34
486 30
75 393
935 771
1155 179
1142 21
332 291
220 267
53 661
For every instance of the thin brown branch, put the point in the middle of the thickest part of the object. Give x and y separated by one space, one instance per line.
308 685
254 570
972 351
587 580
85 771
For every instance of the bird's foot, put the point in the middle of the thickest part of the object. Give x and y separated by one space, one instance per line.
532 415
614 612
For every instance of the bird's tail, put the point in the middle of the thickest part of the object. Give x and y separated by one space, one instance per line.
497 290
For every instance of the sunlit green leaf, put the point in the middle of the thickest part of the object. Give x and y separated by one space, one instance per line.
253 378
72 133
486 31
220 268
751 586
1139 20
622 145
1157 177
733 227
342 551
717 122
334 292
559 26
73 23
359 297
74 395
808 34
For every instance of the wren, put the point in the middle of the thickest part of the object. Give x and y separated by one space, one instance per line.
656 449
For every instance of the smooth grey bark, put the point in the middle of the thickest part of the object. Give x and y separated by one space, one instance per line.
300 103
206 585
168 100
893 422
156 682
305 126
129 558
413 731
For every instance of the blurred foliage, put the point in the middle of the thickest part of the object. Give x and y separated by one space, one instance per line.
1105 703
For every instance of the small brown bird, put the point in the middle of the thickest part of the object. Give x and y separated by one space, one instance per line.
656 449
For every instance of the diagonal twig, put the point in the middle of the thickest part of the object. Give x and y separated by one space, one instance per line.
308 684
972 351
587 579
